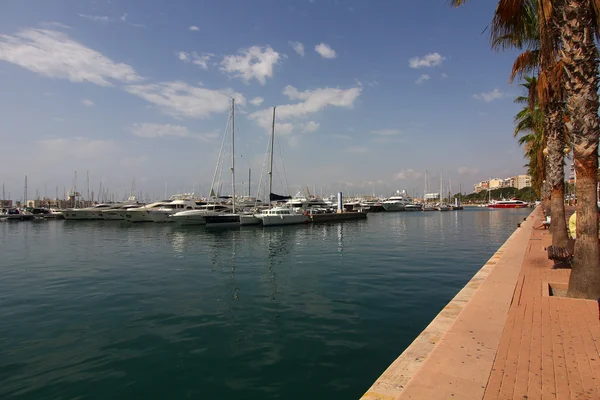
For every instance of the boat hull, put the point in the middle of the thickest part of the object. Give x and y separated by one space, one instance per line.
393 207
137 216
188 220
81 215
246 220
508 205
222 221
275 220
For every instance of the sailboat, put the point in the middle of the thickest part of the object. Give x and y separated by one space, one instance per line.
427 206
198 215
442 206
227 220
278 215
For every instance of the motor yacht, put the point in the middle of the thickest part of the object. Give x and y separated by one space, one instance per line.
196 216
281 216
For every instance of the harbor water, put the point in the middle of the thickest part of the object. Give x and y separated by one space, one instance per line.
110 310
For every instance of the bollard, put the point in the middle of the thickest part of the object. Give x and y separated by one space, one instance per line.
519 225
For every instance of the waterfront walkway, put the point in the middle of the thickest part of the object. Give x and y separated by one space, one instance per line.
503 336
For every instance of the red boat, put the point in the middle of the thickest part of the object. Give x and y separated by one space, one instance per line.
512 203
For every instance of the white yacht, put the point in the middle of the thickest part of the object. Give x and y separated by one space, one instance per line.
302 202
142 214
87 213
196 216
118 212
397 202
413 207
281 216
163 213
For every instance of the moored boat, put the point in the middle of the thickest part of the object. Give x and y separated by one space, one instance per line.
512 203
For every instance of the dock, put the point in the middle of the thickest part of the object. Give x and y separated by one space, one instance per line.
337 217
505 335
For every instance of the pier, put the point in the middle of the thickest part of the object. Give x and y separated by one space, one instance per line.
504 335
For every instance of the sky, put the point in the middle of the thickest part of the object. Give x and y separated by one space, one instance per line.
369 93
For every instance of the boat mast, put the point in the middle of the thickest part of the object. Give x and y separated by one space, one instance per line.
233 151
271 167
249 181
425 189
88 185
441 187
25 200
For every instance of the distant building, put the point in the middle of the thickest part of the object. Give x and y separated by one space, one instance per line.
6 203
478 187
495 183
522 181
519 182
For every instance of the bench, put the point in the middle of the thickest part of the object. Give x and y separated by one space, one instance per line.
562 256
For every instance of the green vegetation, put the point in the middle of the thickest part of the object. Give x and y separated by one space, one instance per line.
525 194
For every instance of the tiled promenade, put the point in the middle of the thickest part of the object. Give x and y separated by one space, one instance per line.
503 336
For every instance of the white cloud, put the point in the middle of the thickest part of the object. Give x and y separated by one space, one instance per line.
87 102
55 55
194 58
444 75
96 18
423 78
182 100
385 132
408 174
310 126
298 47
124 19
430 60
194 28
469 171
252 63
257 101
150 130
56 25
325 51
356 150
489 96
311 101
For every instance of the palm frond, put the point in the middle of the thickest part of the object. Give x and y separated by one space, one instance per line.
526 63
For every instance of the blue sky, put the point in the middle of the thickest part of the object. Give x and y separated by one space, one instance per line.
369 94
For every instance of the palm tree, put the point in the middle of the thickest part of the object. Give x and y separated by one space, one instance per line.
579 56
529 124
530 25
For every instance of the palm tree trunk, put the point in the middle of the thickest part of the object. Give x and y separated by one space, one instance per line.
580 58
556 172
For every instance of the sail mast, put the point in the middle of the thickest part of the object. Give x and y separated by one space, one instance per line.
271 167
233 152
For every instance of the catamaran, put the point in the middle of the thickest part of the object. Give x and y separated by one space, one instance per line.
278 215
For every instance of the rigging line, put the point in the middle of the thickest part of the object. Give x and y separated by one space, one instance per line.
262 171
212 185
283 166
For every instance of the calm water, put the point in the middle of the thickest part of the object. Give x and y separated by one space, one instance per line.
98 310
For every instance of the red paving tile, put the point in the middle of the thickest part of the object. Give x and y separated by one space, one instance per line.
544 347
549 346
